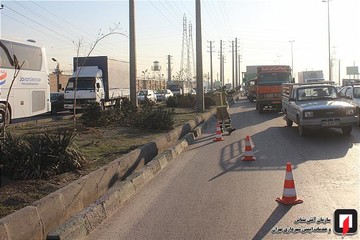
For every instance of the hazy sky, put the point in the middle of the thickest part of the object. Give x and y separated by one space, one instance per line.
263 28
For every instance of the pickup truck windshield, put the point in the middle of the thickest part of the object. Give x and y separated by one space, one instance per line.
82 84
274 78
316 92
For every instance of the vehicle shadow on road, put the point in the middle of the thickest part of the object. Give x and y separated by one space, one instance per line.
276 146
279 212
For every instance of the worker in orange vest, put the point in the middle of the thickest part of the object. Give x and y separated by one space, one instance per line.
222 113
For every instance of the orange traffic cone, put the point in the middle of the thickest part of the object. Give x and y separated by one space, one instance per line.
218 134
289 193
248 155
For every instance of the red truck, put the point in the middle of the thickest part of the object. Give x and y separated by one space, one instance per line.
269 80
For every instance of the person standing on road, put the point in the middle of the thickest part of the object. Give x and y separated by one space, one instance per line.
222 113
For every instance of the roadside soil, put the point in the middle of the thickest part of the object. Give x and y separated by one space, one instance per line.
99 146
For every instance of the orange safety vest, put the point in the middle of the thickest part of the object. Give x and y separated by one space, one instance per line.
220 99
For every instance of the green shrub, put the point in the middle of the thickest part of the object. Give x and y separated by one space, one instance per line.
171 102
156 119
40 156
122 114
187 101
92 115
129 115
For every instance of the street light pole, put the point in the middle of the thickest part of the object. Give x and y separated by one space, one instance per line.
292 58
328 9
57 72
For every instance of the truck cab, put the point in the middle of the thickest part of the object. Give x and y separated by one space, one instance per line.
268 86
88 84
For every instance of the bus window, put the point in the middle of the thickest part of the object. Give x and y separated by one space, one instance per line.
29 56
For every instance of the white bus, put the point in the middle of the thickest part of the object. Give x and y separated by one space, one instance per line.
30 93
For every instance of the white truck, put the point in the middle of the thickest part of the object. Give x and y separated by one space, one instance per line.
179 87
311 76
98 79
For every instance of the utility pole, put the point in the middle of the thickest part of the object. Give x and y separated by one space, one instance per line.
239 57
169 68
223 69
236 68
233 65
328 11
199 67
292 58
132 44
339 74
221 64
211 66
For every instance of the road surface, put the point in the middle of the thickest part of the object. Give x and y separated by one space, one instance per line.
208 192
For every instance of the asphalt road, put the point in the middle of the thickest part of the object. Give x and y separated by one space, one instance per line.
208 192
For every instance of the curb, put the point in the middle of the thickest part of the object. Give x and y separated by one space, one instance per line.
83 223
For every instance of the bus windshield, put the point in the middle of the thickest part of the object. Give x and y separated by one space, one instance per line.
82 84
274 78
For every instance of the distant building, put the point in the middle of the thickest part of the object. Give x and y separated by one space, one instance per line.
62 81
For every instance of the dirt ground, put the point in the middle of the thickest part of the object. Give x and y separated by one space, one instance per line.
99 146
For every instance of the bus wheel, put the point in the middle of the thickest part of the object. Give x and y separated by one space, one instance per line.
4 117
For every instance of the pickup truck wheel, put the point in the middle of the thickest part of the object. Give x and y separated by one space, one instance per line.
302 130
346 130
289 123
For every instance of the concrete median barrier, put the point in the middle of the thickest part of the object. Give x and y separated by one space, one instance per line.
22 224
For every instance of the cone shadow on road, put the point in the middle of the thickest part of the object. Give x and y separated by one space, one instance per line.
279 212
225 171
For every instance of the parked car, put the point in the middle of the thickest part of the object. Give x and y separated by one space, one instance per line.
316 106
57 102
158 94
146 94
163 94
351 94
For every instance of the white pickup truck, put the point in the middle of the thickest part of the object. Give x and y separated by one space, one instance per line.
316 106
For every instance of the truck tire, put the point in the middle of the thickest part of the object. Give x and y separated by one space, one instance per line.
260 108
346 130
53 111
102 105
302 130
5 118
